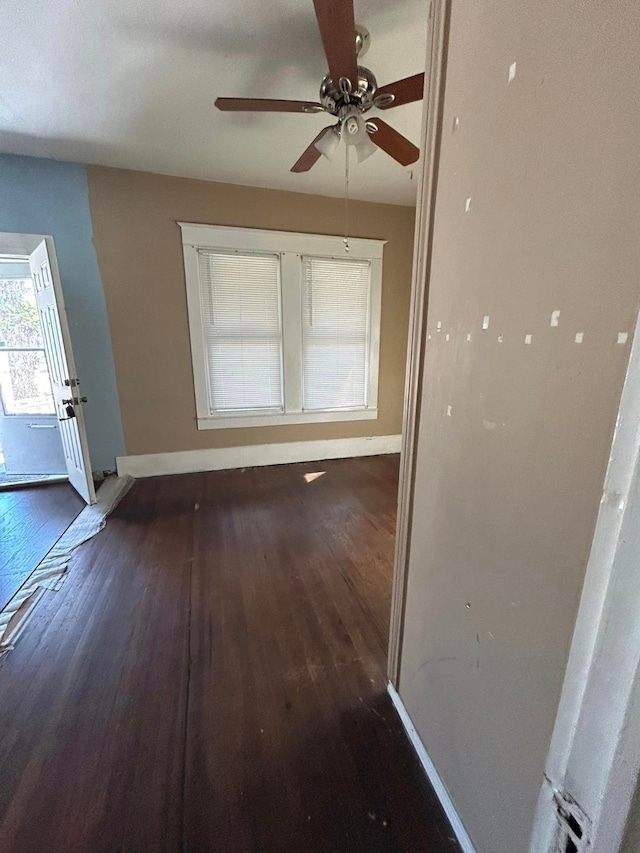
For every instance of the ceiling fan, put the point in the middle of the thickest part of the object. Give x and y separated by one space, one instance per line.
347 92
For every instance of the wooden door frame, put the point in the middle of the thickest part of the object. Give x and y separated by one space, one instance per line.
432 118
598 767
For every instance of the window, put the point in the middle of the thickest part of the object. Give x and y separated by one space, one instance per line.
25 387
335 332
285 327
240 297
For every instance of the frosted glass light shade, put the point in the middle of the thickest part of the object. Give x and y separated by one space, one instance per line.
328 143
365 148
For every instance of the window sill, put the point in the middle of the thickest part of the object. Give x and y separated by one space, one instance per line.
235 421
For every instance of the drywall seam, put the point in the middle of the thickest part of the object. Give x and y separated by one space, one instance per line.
50 572
434 777
256 455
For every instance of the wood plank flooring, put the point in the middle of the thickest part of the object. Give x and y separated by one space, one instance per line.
211 677
31 521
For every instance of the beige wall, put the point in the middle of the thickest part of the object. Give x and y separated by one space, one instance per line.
508 485
140 256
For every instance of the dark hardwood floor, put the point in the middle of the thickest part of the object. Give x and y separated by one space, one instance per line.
211 677
32 519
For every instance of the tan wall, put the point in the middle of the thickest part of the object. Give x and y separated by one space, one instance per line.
508 485
140 256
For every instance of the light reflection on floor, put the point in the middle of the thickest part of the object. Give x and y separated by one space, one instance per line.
314 476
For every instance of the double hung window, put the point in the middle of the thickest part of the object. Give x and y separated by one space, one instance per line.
285 328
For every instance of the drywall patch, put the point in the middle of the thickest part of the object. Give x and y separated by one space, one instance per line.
447 336
485 321
500 338
512 72
439 326
555 318
623 337
449 410
467 205
579 337
468 336
50 572
528 339
456 123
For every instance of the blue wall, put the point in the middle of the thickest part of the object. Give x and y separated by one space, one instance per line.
47 197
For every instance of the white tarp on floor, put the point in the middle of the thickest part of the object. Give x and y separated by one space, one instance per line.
50 572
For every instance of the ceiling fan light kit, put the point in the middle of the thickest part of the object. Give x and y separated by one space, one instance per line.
347 92
365 149
328 142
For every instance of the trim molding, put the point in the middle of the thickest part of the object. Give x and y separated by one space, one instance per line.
435 74
434 777
256 455
200 235
284 418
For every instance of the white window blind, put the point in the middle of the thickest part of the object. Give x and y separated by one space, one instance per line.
335 332
242 330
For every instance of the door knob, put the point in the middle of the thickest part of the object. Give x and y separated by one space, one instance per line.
70 412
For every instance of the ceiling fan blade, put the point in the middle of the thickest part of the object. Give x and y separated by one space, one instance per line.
311 155
338 31
267 105
405 91
395 144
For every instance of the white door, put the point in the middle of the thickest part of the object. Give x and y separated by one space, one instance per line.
64 382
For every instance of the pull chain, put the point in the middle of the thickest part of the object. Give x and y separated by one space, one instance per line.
346 197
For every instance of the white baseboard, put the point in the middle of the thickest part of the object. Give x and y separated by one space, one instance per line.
220 459
434 777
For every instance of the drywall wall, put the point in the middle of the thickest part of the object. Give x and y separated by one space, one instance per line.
631 842
45 197
140 256
533 297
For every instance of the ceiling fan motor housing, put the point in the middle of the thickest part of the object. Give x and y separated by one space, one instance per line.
335 98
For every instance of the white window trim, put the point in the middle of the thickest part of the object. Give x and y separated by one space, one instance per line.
291 246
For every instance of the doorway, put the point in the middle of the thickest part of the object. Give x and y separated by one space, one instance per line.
30 443
42 430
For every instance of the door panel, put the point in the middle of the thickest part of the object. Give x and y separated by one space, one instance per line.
64 382
31 445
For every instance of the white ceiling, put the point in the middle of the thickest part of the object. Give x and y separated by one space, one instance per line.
132 84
